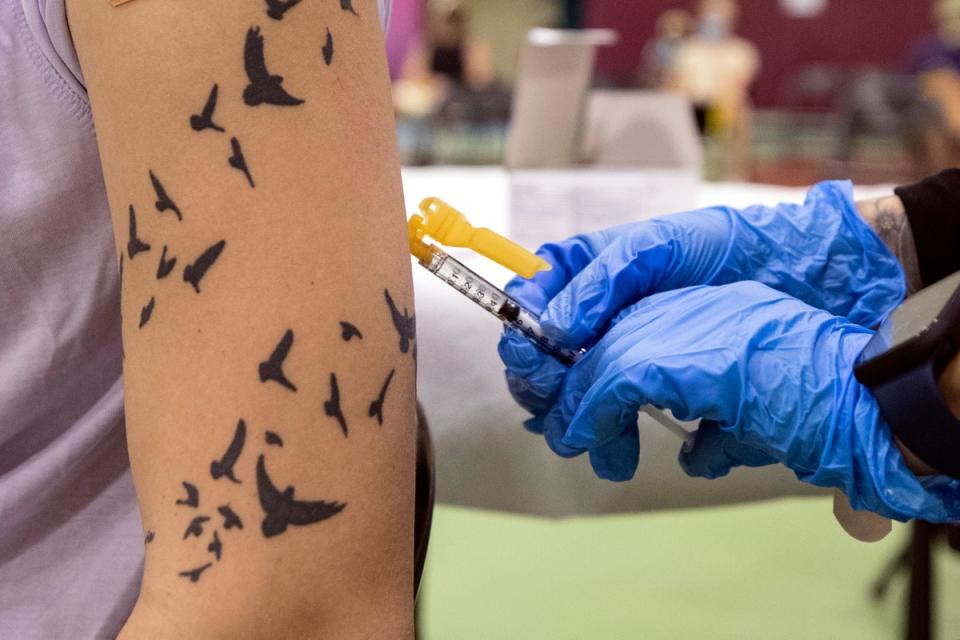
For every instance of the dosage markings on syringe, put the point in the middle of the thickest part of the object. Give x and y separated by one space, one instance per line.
474 288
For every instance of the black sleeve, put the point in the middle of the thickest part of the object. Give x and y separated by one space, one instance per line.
933 209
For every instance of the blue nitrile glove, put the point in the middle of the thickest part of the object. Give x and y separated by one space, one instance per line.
771 376
821 252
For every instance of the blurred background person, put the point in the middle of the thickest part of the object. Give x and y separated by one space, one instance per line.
673 28
715 68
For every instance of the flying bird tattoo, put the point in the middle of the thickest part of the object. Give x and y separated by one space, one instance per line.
405 324
205 119
224 466
195 528
194 273
149 537
263 88
215 547
238 162
165 266
349 331
272 369
194 574
230 518
274 439
347 5
147 312
276 8
376 407
332 406
281 510
135 245
164 202
328 49
193 496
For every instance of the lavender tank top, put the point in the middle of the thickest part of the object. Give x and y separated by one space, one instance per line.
71 542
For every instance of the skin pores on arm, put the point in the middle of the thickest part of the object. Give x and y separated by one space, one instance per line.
269 341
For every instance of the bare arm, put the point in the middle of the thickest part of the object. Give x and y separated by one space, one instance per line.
267 302
888 218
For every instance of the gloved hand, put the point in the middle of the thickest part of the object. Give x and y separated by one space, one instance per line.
772 379
820 252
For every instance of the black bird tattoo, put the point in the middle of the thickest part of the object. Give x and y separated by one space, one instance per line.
332 406
205 119
238 162
281 510
328 49
193 496
194 273
135 245
149 537
164 202
147 312
274 439
165 266
347 5
195 528
272 369
224 466
276 8
215 547
376 407
349 331
194 574
230 518
405 324
263 88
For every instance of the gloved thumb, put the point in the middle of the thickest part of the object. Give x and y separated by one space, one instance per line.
716 451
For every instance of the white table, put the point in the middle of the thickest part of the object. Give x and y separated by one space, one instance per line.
485 458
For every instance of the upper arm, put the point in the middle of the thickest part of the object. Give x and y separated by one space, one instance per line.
267 268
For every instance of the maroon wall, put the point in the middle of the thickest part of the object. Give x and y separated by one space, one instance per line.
852 33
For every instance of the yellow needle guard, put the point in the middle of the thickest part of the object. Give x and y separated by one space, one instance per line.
446 225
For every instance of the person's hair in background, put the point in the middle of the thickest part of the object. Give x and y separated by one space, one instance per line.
673 27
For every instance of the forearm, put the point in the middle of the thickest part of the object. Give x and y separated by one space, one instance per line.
888 218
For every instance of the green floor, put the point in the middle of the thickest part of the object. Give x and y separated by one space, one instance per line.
776 570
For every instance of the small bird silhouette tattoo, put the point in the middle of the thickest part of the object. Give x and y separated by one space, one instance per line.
147 539
272 369
332 406
195 528
274 439
215 547
194 273
347 5
238 162
147 312
230 518
281 510
328 49
349 331
276 8
135 245
204 120
224 466
164 202
194 574
264 88
193 496
404 323
165 266
376 407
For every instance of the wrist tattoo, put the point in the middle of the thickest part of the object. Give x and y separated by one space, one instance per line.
888 218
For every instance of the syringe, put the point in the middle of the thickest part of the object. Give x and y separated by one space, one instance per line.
449 226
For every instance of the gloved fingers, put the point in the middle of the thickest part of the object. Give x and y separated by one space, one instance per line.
533 377
716 451
534 425
553 430
626 271
566 259
617 460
